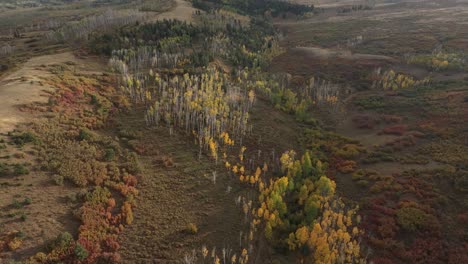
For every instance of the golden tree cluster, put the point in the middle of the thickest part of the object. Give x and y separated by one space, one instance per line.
391 80
210 106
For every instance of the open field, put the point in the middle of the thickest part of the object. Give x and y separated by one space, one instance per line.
397 31
404 131
26 86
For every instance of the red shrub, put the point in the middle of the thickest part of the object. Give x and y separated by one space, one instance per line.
130 180
93 249
458 255
428 250
397 130
67 97
401 143
111 244
111 203
346 166
387 227
462 218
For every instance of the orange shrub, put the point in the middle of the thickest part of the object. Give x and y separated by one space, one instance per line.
397 130
347 166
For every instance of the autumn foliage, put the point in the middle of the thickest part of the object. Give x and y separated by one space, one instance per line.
300 211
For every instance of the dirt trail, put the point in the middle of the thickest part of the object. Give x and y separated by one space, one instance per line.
323 53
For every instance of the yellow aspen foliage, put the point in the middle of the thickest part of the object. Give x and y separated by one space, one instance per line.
127 212
233 259
204 251
241 153
327 227
14 244
148 96
322 251
227 164
272 218
346 237
287 159
258 172
245 260
226 139
333 257
349 221
356 249
292 241
392 81
261 186
266 214
242 169
251 96
330 234
252 180
302 235
213 148
235 169
325 186
245 208
241 178
339 221
260 212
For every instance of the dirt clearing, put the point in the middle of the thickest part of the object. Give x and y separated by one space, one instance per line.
182 11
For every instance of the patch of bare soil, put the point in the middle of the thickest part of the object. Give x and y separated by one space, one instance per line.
323 53
23 87
182 11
